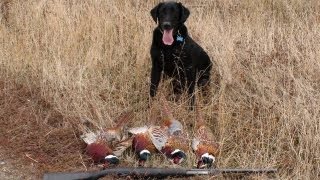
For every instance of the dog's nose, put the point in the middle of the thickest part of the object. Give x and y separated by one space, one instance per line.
166 25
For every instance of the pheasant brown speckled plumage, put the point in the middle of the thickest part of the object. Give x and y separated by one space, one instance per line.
146 140
167 138
104 146
203 143
176 145
115 133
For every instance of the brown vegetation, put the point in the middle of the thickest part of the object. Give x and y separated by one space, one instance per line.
63 62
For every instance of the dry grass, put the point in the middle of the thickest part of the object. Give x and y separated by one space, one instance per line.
65 61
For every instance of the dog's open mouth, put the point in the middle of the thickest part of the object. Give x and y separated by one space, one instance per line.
167 37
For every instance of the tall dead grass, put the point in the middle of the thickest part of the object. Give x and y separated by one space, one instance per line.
90 59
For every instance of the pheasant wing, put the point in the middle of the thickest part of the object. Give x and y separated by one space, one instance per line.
159 136
121 146
89 137
138 130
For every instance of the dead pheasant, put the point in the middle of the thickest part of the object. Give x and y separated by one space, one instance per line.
203 143
176 144
99 150
145 141
104 146
102 153
166 138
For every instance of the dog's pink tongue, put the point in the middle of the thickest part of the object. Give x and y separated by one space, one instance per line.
167 37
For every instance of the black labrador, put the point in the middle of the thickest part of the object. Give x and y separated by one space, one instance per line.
175 53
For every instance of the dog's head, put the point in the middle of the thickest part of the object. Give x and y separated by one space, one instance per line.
169 15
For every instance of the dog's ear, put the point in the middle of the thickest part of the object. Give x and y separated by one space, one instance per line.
155 12
184 13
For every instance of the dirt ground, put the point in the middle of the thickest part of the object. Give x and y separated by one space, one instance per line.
29 147
8 169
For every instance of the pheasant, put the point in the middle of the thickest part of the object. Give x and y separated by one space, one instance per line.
99 150
145 141
176 143
203 144
105 146
166 138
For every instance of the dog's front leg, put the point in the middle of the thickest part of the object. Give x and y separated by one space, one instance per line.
156 69
191 81
155 78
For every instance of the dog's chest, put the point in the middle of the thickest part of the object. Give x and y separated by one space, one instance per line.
175 59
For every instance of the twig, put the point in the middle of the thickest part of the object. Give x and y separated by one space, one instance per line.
28 156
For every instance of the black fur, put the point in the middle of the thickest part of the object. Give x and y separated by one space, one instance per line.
184 61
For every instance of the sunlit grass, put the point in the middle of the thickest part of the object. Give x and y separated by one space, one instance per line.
90 60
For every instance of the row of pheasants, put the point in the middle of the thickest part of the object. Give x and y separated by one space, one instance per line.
169 139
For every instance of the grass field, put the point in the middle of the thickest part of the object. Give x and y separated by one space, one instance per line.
63 62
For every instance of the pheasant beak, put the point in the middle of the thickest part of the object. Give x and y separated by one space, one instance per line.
177 160
200 164
206 161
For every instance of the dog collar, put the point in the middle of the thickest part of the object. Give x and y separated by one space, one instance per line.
179 37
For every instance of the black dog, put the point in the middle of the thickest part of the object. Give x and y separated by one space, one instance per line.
175 53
